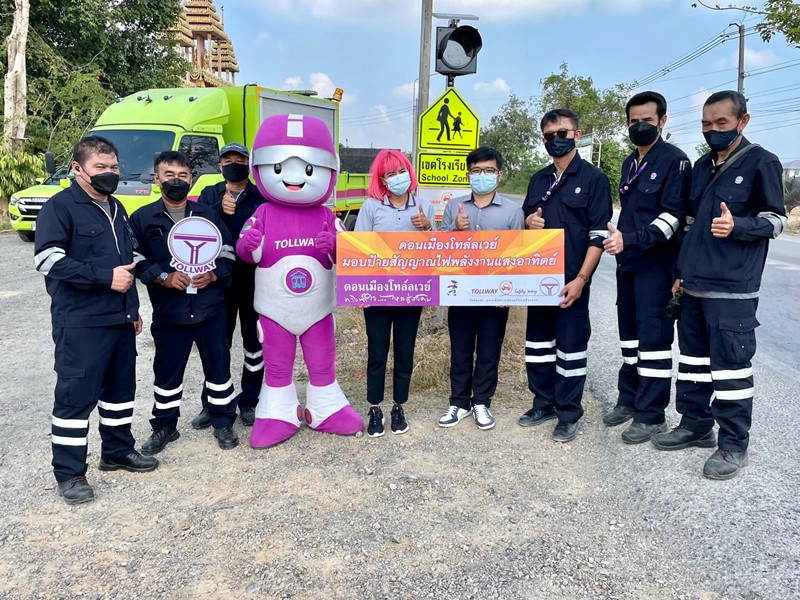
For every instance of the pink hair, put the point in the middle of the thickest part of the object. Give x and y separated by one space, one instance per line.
386 162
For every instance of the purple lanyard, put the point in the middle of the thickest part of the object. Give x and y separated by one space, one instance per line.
552 187
632 177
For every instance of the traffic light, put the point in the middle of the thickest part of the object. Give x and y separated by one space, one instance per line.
457 50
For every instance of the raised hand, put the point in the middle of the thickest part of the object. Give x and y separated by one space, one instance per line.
613 244
325 241
122 278
420 221
462 219
228 203
535 220
722 226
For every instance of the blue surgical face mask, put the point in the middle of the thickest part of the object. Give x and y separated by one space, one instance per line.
398 184
721 140
483 183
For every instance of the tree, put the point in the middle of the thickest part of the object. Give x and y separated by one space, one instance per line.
702 148
779 16
601 112
512 131
15 89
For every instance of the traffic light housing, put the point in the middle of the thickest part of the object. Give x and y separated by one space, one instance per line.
457 50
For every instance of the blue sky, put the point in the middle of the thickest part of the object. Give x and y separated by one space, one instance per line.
370 48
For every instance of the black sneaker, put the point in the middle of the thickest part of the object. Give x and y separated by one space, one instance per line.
399 423
202 421
247 415
76 491
159 440
226 437
375 427
537 416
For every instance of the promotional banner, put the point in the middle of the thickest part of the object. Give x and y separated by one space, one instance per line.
450 268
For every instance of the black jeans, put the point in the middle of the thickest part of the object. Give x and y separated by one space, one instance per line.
475 331
382 322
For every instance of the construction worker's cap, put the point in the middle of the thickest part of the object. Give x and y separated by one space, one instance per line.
235 147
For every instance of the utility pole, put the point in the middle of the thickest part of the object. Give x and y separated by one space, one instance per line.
424 65
741 56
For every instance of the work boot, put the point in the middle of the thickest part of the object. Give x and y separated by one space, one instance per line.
537 416
226 437
76 491
159 440
638 433
618 415
565 432
680 438
247 416
133 461
724 464
202 420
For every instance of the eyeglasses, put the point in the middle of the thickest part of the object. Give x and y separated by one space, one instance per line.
562 133
487 170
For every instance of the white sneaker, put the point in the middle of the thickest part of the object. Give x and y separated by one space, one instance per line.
483 416
453 416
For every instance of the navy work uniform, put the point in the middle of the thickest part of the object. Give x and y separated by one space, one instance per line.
181 320
579 202
654 192
77 247
721 281
239 296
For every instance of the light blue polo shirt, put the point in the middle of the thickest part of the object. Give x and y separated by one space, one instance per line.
382 215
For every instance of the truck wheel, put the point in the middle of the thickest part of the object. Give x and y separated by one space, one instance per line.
26 236
350 222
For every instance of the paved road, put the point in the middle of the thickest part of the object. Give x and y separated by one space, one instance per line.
745 533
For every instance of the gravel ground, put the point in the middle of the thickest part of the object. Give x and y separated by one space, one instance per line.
434 513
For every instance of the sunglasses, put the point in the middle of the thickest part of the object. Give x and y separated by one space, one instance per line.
562 133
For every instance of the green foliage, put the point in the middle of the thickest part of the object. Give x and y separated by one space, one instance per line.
791 188
515 131
779 16
18 170
83 54
702 148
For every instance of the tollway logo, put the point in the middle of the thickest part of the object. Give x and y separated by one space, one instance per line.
549 286
194 244
506 287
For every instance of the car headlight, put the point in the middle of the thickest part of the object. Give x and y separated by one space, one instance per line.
13 201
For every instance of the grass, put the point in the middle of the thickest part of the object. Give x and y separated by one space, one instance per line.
431 356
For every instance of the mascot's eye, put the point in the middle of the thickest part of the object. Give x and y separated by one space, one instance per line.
278 168
309 170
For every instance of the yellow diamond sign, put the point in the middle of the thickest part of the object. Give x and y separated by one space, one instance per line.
449 124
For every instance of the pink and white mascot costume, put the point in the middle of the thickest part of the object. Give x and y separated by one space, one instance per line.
292 239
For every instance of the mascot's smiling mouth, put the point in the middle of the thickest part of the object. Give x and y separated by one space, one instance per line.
294 187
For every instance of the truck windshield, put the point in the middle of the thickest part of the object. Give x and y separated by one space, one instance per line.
137 148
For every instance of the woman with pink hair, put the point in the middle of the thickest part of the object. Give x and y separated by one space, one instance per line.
391 206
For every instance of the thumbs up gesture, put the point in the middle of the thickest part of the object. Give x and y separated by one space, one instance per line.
228 203
420 221
535 220
613 244
462 219
325 241
722 226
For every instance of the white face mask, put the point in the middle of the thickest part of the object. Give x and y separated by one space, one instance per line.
398 184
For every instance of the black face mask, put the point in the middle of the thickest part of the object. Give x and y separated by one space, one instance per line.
558 147
721 140
642 134
104 183
175 189
235 172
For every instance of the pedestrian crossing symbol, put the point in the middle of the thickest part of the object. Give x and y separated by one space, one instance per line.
449 124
